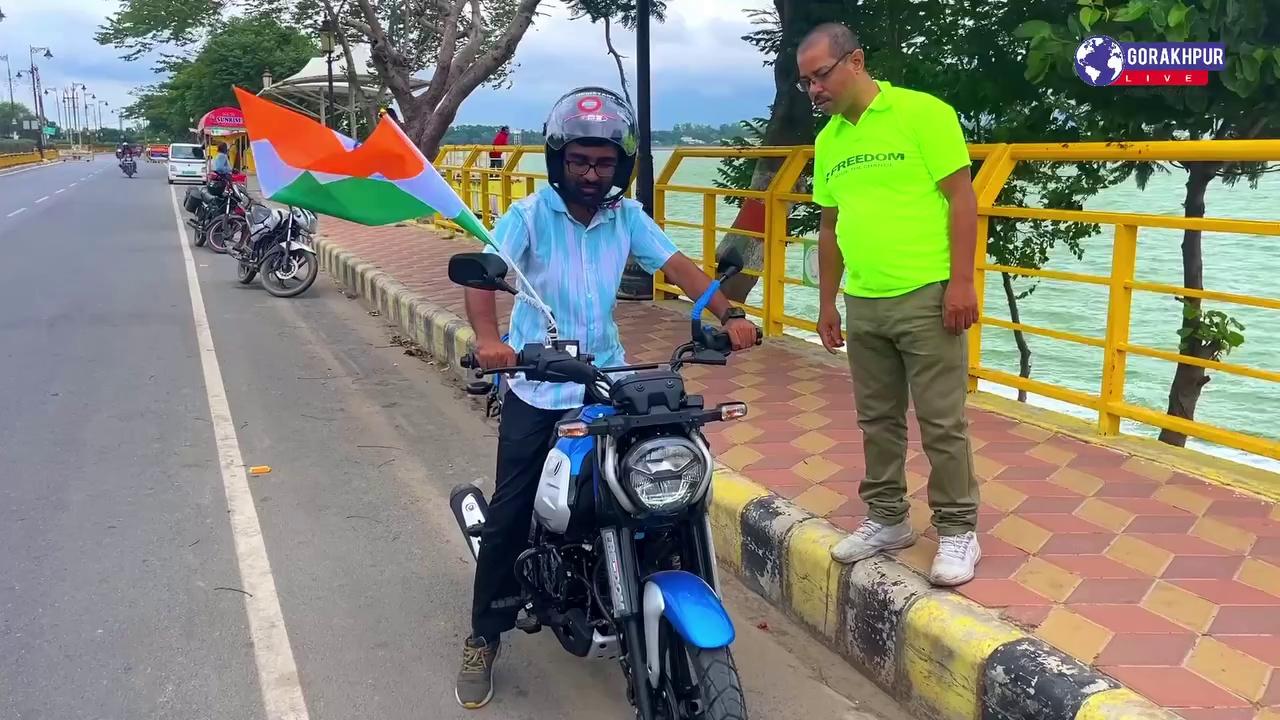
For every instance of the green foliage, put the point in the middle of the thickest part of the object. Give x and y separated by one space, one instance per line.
736 173
21 145
12 116
621 11
1238 102
1217 332
140 25
235 55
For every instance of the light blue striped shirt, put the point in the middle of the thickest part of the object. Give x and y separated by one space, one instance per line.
576 271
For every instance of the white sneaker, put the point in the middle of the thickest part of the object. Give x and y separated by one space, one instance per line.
872 537
956 558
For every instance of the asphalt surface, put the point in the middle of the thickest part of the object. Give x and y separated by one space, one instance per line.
120 585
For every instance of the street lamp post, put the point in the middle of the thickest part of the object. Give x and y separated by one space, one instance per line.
636 283
326 44
102 104
8 73
58 107
88 122
35 94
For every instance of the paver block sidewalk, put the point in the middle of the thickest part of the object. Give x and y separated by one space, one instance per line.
1166 582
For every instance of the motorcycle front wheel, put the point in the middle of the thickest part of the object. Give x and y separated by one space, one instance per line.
225 231
288 274
705 686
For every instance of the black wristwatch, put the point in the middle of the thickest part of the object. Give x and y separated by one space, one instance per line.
732 313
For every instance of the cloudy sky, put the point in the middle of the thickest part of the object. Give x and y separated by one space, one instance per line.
702 70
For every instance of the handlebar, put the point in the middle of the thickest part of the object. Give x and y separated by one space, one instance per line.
554 364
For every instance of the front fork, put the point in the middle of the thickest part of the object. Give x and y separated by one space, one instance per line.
638 605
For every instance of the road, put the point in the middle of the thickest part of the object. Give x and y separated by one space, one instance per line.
132 534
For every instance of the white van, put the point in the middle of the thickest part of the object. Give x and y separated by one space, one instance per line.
186 163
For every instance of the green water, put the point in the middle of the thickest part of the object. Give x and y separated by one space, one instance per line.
1244 264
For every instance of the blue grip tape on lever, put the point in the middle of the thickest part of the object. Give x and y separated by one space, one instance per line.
705 300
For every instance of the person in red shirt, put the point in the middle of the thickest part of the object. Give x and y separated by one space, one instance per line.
502 138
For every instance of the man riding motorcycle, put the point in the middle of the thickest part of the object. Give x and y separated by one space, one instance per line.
571 239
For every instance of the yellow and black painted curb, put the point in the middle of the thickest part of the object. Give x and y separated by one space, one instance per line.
942 656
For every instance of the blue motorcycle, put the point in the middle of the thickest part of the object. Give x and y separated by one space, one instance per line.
621 563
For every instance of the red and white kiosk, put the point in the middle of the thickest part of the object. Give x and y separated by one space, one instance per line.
226 124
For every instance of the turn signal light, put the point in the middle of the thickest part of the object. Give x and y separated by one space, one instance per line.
733 411
575 429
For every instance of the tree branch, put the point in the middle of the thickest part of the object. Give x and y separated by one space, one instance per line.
617 58
500 53
444 62
474 39
390 63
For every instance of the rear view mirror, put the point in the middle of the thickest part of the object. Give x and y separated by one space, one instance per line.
731 263
479 271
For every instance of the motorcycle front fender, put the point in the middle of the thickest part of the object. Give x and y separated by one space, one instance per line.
691 607
295 245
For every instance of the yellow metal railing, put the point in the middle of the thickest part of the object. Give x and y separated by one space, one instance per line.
490 191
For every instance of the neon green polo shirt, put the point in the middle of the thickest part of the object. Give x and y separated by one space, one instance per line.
882 173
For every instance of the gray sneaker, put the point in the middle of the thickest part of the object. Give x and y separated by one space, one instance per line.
475 679
872 537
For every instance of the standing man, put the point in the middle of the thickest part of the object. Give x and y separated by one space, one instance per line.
899 223
503 137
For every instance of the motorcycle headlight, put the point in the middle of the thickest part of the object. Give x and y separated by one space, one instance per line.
665 474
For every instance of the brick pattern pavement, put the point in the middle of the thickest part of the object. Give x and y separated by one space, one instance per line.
1166 582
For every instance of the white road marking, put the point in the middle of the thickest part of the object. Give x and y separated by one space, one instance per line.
277 670
55 192
27 169
73 185
15 212
46 197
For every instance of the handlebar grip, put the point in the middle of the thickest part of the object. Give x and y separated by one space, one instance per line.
468 361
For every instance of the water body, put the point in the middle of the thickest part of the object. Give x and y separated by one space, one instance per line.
1244 264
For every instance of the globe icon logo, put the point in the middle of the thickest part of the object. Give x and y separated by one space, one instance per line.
1099 60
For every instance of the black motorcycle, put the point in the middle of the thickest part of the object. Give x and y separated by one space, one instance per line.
129 166
218 214
276 244
621 563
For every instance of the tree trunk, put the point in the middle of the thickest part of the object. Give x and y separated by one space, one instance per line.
1189 380
1019 337
790 123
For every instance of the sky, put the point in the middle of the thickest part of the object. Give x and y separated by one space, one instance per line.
702 71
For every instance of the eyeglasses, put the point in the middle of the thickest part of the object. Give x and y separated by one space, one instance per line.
603 168
821 75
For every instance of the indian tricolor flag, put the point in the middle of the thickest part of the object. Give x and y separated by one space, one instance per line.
381 181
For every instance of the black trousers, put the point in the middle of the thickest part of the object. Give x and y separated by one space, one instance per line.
524 439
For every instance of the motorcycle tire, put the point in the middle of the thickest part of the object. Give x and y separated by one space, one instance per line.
245 273
269 272
197 236
718 684
224 230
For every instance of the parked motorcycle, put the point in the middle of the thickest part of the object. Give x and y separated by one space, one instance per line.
621 563
276 244
217 209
